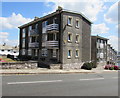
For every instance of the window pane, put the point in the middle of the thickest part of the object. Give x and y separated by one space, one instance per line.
69 20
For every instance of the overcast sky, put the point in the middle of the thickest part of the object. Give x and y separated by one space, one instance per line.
104 16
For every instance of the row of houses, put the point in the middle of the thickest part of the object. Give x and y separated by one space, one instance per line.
9 50
63 37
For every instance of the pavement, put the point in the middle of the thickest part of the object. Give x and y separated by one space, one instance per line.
72 84
52 71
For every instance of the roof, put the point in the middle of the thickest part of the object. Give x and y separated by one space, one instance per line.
5 47
52 14
101 37
8 47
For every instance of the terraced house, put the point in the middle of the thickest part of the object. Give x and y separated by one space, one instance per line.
111 55
62 39
99 50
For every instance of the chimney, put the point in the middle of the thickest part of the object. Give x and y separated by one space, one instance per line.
36 18
59 8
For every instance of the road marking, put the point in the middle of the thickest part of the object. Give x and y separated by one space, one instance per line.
114 77
91 79
34 82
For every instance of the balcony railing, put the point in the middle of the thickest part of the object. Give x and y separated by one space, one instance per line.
52 27
34 45
33 32
50 44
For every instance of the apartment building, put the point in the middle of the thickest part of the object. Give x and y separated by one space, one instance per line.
99 50
111 55
62 38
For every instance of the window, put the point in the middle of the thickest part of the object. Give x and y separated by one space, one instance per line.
69 37
77 23
44 52
29 51
30 28
2 50
54 53
36 52
54 36
69 54
23 32
77 53
77 38
23 51
44 25
69 21
36 26
8 50
23 43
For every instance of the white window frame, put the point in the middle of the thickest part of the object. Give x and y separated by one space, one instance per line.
69 17
23 42
36 52
23 33
54 53
29 29
23 51
77 26
77 50
69 38
69 52
77 39
29 52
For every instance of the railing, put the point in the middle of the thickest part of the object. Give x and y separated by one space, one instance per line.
52 27
50 44
33 32
34 44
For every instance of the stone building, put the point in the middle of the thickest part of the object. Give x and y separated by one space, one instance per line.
99 50
62 38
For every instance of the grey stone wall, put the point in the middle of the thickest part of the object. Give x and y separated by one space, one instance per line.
72 66
86 41
71 45
66 66
19 65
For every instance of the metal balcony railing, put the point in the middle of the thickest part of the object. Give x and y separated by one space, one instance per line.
33 32
50 44
52 27
34 45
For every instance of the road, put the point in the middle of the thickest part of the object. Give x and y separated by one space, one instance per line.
102 84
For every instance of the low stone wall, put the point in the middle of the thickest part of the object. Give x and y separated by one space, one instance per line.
66 66
55 66
72 66
19 65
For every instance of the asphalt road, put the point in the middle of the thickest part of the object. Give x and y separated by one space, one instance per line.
102 84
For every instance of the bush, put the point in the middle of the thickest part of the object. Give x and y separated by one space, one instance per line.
87 66
111 67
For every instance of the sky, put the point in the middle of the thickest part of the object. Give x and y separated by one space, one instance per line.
102 13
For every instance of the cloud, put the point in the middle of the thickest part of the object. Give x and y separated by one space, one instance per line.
4 39
90 8
99 28
113 40
13 21
112 15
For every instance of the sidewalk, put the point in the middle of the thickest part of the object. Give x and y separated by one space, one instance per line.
50 71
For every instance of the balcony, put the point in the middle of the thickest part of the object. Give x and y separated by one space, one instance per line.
50 44
52 28
34 45
33 32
